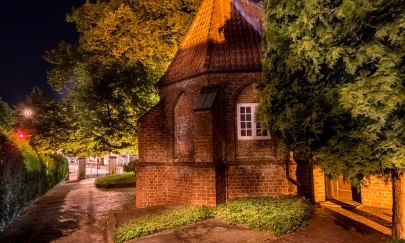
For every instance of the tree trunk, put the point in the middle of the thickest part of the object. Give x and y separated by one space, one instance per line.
398 206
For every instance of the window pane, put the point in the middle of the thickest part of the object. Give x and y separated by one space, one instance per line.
247 127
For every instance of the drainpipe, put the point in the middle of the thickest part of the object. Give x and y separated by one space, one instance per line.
288 176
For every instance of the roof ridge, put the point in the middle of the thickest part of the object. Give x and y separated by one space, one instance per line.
255 23
183 43
225 34
207 61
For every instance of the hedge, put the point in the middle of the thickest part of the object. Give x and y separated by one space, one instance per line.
25 175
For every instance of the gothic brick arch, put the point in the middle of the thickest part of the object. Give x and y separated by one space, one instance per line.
247 94
242 88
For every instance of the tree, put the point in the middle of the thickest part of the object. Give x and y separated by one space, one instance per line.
5 115
109 75
48 125
133 31
333 87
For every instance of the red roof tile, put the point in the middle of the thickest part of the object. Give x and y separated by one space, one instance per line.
224 37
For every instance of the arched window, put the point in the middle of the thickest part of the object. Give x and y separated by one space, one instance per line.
248 128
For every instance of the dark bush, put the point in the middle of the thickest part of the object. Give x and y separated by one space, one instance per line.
130 167
24 175
57 167
278 215
5 115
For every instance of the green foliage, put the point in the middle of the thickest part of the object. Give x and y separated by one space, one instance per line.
5 115
49 124
333 87
108 77
24 175
277 215
133 32
57 167
116 180
397 241
161 220
130 167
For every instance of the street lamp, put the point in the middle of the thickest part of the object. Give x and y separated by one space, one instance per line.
27 113
22 135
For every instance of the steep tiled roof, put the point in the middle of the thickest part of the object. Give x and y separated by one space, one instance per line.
224 37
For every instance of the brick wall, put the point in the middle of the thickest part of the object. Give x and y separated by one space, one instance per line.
188 183
377 193
318 186
204 146
179 184
194 157
183 128
152 137
151 188
204 186
258 180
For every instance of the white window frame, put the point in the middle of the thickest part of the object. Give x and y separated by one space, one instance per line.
254 125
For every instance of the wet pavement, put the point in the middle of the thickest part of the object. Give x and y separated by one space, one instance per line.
74 211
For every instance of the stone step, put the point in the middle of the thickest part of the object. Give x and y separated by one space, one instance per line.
347 204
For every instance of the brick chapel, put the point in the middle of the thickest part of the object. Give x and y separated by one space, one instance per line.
200 144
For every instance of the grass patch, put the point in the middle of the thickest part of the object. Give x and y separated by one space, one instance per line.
116 180
277 215
160 221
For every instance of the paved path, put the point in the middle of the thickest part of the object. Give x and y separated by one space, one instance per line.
74 211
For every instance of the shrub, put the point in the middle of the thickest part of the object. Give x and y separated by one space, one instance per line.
161 220
24 175
278 215
57 168
130 167
5 115
116 180
12 174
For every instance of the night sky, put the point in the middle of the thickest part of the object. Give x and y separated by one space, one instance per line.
28 28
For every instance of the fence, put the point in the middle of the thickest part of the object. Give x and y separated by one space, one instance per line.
93 169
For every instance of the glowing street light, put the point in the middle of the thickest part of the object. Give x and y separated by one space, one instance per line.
27 113
22 135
